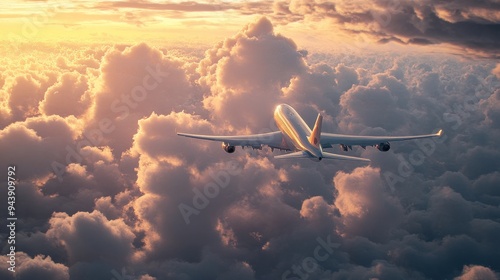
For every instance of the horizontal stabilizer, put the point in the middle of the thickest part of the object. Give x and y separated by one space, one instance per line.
336 156
300 154
303 154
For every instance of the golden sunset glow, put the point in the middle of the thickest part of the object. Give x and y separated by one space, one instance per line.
119 21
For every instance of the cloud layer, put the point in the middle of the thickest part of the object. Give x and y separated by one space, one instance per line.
107 189
472 27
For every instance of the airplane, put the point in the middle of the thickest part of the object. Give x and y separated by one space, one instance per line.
295 135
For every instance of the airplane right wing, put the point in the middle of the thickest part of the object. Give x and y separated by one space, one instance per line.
274 140
330 139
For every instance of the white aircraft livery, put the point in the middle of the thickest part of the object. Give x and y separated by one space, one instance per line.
296 136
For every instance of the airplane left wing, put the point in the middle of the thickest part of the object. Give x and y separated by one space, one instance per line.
382 142
274 140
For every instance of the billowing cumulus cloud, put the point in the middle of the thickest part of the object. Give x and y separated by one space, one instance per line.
88 236
36 142
69 96
24 97
108 190
133 82
476 272
363 204
496 71
38 267
243 70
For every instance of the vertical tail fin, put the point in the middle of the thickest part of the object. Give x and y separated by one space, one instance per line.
316 132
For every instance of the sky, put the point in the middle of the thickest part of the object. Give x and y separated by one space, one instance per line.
93 93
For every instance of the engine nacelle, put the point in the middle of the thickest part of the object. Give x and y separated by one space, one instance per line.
383 147
228 148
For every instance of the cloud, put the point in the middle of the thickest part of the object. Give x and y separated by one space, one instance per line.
42 267
380 99
69 93
493 110
476 272
361 201
134 82
182 6
251 66
24 97
90 236
38 267
496 71
36 142
470 26
164 176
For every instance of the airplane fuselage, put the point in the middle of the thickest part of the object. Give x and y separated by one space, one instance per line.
296 130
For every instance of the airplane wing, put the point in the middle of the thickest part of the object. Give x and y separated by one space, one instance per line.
330 139
274 140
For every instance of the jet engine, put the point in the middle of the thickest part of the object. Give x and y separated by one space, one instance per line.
228 148
383 147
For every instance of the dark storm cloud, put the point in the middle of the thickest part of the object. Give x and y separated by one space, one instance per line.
473 26
146 204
